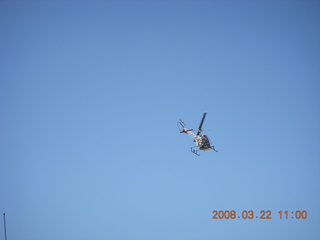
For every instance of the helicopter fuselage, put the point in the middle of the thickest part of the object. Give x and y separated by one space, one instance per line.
202 141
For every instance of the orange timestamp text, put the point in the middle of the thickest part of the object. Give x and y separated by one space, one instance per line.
263 214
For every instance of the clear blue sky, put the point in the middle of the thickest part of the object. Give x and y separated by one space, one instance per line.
90 94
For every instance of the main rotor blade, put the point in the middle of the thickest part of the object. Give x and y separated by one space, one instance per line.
200 126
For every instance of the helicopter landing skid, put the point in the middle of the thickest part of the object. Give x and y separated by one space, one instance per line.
214 149
195 151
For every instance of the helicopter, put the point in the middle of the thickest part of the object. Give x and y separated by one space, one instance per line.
202 141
